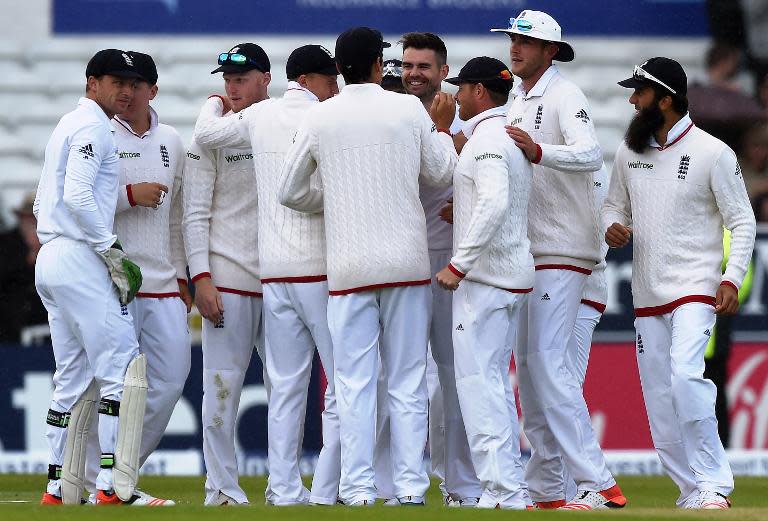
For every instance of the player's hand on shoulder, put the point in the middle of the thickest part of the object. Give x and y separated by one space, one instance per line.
208 300
524 141
150 195
617 235
443 110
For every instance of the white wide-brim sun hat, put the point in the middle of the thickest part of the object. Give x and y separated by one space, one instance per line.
539 25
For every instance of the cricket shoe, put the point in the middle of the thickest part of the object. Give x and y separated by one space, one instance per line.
361 503
549 505
589 500
50 499
139 499
391 502
465 502
411 501
708 500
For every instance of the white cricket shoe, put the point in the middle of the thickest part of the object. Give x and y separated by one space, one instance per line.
709 500
391 502
412 501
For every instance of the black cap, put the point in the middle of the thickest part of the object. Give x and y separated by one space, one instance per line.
359 47
665 72
392 75
255 56
492 73
309 59
145 65
113 62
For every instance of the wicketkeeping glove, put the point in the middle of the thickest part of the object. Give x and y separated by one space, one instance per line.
125 274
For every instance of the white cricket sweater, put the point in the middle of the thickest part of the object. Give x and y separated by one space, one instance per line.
677 198
491 187
152 237
563 221
596 289
77 192
291 243
220 216
369 147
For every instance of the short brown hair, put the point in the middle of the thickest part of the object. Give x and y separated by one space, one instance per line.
426 41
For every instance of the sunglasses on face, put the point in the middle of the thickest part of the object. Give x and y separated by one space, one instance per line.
641 74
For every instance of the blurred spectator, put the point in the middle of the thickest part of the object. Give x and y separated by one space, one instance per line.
760 206
762 92
20 305
755 13
726 22
753 159
718 105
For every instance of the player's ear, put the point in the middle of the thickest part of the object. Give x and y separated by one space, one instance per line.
267 78
153 92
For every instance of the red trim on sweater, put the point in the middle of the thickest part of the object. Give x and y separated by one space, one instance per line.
539 153
159 295
445 131
129 192
568 267
309 278
455 271
729 283
678 138
597 305
201 276
239 292
668 308
380 286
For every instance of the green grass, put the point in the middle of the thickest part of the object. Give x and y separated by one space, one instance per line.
650 498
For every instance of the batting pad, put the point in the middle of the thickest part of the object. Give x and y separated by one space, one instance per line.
73 469
130 422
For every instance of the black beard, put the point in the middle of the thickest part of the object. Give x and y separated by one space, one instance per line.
644 125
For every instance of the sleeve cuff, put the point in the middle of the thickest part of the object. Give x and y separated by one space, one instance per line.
729 283
456 272
129 193
201 276
445 131
539 153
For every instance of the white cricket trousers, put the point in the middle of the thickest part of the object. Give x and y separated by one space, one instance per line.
396 320
680 402
579 348
92 336
555 415
448 446
227 349
485 324
296 322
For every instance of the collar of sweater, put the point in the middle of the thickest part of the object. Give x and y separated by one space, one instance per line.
355 88
295 90
677 131
541 86
153 122
471 123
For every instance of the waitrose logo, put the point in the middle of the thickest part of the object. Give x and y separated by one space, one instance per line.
639 164
238 157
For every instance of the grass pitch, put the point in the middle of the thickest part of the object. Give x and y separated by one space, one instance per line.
650 498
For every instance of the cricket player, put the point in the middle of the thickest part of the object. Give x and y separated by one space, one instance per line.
424 68
378 265
673 188
550 121
220 237
86 282
293 274
148 222
491 272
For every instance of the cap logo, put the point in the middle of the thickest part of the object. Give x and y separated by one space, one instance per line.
128 60
234 49
505 75
326 51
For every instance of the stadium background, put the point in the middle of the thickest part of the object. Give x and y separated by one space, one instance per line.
43 50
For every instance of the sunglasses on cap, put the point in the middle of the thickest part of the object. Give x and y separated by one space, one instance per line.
236 59
390 69
641 74
520 24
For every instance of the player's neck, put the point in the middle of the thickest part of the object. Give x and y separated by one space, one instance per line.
141 123
531 81
670 121
427 100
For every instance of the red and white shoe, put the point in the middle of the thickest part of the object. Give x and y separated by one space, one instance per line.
549 505
139 499
50 499
589 500
709 500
